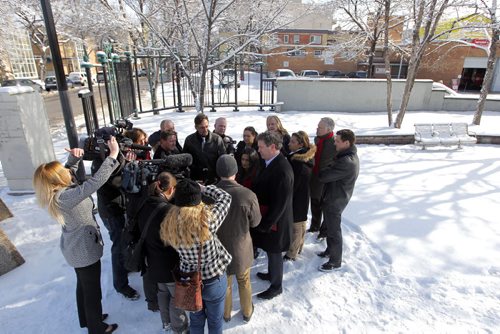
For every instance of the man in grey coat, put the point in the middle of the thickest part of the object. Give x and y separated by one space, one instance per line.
339 179
234 234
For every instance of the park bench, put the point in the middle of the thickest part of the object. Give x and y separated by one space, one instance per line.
444 134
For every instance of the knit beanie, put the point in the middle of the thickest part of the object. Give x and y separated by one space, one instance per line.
187 193
226 166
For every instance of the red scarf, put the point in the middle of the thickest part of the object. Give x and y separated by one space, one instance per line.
319 150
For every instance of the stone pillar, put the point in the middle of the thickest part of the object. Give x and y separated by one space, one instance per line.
25 139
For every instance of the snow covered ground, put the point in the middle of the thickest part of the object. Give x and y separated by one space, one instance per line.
421 245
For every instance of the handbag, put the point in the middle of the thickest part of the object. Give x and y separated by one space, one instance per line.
188 288
134 255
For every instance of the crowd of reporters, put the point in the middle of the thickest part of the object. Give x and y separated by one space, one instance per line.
209 204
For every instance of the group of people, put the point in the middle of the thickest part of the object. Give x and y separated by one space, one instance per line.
239 198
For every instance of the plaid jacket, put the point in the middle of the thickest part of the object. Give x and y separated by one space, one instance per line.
214 257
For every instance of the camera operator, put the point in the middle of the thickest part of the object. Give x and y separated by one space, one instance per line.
168 145
139 137
220 129
111 205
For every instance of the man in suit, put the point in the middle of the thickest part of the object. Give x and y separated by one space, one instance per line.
274 189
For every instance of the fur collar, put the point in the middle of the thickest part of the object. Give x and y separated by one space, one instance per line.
303 155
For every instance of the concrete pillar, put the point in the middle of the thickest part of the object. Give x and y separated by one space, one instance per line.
25 139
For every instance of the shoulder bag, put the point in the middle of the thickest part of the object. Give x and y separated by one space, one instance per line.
188 288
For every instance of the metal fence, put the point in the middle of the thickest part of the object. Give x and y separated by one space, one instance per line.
130 86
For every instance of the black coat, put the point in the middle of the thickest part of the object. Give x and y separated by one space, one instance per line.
302 164
161 260
339 179
241 147
204 160
274 189
326 158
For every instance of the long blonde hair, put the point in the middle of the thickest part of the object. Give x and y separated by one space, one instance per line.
186 225
280 129
48 179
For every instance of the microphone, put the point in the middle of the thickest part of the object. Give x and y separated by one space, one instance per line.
127 142
178 161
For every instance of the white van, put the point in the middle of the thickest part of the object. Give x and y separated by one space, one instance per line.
79 78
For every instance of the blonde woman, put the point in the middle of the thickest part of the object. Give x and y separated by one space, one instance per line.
189 225
274 124
81 242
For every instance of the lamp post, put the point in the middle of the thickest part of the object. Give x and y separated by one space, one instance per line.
62 85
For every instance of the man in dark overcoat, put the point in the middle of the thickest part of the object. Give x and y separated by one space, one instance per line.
274 189
234 235
205 147
339 179
325 151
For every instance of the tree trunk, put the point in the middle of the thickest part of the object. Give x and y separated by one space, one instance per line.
410 81
488 76
387 61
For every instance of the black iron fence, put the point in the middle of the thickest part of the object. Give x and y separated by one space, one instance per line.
145 83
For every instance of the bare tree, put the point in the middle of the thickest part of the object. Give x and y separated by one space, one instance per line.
210 32
425 17
387 62
493 33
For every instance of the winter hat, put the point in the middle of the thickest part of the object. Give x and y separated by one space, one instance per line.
226 166
187 193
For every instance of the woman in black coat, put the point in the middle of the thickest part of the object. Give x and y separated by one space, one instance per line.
302 160
249 141
161 260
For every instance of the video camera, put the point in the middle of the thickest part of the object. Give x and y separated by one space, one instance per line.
140 173
95 146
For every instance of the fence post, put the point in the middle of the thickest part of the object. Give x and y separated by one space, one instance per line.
128 54
236 83
261 65
178 82
212 86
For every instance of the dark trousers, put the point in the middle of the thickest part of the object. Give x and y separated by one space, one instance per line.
275 269
115 225
334 234
316 215
150 289
88 298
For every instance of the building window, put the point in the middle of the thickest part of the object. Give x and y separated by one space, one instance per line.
317 53
315 39
285 39
21 57
296 39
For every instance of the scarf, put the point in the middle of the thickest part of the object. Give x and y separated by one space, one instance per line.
319 150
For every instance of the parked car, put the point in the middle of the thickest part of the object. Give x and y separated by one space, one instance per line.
229 77
358 74
79 78
333 74
51 83
280 73
309 73
23 82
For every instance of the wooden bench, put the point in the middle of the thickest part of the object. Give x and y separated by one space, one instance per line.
445 134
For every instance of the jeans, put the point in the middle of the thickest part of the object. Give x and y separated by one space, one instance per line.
115 227
245 292
177 318
213 294
88 298
334 234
